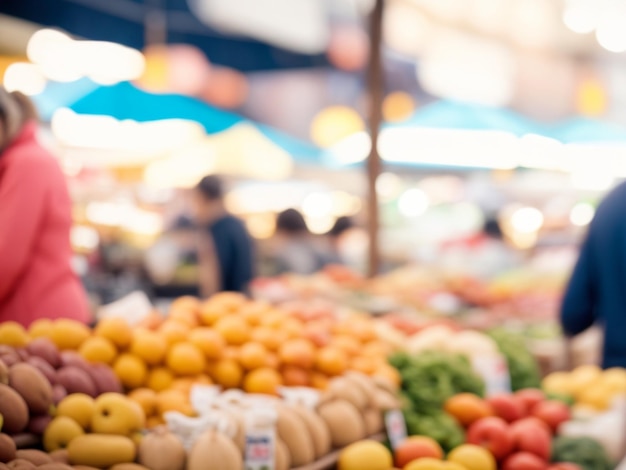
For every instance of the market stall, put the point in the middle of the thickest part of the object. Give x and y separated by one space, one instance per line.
308 384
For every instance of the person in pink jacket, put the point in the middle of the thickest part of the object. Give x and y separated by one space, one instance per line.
36 277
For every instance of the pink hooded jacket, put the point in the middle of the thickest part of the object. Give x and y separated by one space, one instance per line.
36 278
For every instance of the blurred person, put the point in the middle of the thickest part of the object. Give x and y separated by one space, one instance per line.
36 276
596 293
336 235
295 249
486 254
225 248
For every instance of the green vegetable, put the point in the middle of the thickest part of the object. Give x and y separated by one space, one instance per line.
523 367
583 451
430 378
437 425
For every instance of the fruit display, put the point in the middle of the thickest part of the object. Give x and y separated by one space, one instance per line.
428 380
228 341
308 425
589 386
35 376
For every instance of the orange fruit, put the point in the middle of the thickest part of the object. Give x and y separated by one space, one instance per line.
391 374
182 384
269 337
375 349
272 361
264 380
331 361
115 329
131 371
253 312
467 408
319 380
347 343
154 422
362 329
98 349
187 318
295 377
174 332
174 400
366 365
202 379
293 328
67 334
231 301
253 356
208 341
297 352
227 373
274 319
149 346
41 327
211 312
146 398
319 336
13 334
185 359
231 352
186 303
233 329
160 379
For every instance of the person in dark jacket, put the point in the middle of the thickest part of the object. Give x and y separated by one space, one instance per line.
225 249
596 294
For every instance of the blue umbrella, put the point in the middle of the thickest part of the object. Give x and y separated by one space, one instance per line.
125 101
445 114
586 130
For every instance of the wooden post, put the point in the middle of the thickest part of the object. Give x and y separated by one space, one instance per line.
155 23
375 83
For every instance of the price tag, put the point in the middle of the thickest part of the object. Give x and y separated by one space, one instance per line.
260 449
396 427
495 372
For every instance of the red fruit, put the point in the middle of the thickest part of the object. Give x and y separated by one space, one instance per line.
493 434
564 466
553 413
416 447
524 461
507 407
45 349
104 379
44 367
58 393
532 436
529 398
76 380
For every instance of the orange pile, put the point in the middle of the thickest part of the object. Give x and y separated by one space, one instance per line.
227 340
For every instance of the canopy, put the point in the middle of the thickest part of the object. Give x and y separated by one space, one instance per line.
123 22
124 101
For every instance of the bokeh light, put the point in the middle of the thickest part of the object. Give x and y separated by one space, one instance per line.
582 214
334 124
24 77
398 106
348 48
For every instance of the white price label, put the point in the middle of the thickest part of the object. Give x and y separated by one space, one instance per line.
260 449
495 372
396 427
